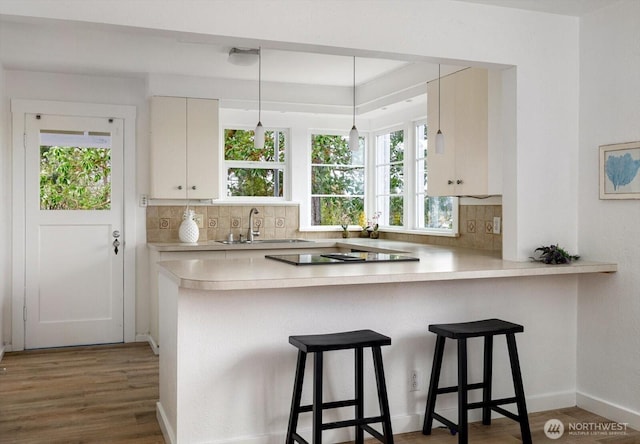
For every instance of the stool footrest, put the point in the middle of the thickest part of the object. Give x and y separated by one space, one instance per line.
329 405
351 422
454 388
493 403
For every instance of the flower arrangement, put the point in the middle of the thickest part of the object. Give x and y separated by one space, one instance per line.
369 226
344 224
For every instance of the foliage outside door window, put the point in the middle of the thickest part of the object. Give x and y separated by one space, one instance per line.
75 177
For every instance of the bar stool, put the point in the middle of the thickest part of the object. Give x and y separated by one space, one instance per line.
461 332
318 344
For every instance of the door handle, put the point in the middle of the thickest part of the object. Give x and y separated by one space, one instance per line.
116 242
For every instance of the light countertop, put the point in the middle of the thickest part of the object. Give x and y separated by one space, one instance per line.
436 264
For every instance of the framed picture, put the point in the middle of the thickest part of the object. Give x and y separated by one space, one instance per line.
620 171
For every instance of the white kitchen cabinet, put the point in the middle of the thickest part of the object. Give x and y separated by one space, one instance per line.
184 148
463 168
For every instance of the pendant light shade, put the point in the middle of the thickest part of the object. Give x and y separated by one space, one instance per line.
439 135
258 135
354 137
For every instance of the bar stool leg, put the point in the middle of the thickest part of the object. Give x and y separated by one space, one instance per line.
463 426
488 370
297 396
525 431
359 384
433 385
317 398
383 400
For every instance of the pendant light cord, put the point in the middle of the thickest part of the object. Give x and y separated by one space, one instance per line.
354 90
259 84
438 97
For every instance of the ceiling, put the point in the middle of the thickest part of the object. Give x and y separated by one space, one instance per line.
87 48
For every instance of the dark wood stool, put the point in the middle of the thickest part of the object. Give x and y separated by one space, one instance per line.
318 344
461 332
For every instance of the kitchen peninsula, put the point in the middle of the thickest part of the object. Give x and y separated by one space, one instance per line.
226 368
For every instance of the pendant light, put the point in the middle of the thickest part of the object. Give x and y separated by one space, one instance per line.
439 135
354 137
258 135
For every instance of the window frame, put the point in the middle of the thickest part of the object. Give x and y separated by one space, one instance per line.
419 194
262 165
376 182
328 132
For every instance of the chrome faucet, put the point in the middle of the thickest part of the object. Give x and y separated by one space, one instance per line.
250 232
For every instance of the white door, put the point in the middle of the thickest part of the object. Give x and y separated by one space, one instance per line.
74 218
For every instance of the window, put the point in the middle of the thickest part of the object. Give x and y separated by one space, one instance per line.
255 172
389 194
337 180
75 170
434 213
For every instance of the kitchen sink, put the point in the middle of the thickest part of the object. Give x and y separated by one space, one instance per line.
265 241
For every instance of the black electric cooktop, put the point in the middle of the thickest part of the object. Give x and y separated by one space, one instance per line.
339 258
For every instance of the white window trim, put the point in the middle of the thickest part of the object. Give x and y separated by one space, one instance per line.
305 210
285 166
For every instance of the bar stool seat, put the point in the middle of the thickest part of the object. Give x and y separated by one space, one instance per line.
460 332
318 344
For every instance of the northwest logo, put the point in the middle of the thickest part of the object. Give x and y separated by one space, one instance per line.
554 429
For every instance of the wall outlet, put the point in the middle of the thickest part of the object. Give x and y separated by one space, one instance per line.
415 380
144 200
496 225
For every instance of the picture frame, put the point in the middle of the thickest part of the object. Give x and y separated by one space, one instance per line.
620 171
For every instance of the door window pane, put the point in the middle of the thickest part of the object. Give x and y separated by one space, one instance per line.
75 171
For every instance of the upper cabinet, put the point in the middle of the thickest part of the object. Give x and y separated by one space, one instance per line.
184 148
464 167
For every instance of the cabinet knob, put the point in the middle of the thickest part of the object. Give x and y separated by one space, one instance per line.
179 187
459 182
193 187
449 182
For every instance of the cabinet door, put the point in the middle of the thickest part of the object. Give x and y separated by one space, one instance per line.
463 168
168 148
471 163
202 148
441 166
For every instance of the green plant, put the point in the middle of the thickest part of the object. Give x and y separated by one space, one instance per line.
553 254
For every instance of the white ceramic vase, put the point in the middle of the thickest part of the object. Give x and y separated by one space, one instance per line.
188 232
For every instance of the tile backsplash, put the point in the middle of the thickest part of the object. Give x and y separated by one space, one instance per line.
281 221
216 222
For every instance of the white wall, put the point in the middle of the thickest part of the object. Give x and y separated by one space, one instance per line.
609 308
5 220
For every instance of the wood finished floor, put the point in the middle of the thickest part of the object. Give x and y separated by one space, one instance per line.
79 395
107 394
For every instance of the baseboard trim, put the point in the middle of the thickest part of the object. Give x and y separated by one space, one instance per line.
609 410
167 432
409 422
147 338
